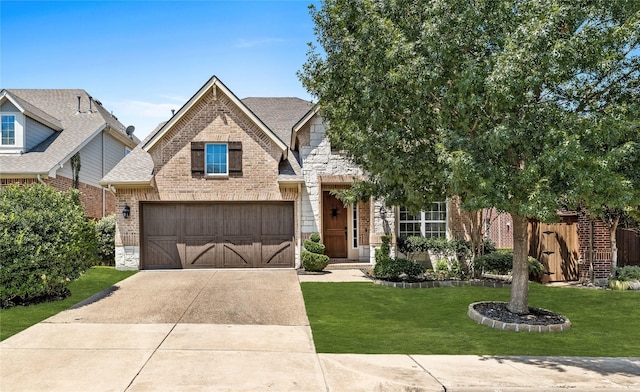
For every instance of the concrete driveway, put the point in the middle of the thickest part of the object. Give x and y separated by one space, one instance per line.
247 330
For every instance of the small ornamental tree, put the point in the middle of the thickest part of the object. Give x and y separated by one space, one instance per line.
313 257
45 242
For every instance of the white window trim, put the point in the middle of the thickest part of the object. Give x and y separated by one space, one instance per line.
423 221
18 146
355 241
225 174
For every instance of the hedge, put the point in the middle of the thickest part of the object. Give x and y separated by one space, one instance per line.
45 242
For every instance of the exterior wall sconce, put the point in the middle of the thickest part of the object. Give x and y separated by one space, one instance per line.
383 212
126 212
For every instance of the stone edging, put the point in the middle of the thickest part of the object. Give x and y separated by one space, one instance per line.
480 319
442 283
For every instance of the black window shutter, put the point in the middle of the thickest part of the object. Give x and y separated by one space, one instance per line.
197 159
235 159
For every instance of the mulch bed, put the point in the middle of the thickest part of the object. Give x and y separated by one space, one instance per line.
498 311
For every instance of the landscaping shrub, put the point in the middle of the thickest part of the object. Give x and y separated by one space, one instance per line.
45 242
501 263
394 268
313 258
106 231
628 273
441 247
314 247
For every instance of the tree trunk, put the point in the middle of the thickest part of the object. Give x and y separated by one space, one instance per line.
613 227
519 301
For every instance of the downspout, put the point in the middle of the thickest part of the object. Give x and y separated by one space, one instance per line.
104 207
40 180
591 251
299 230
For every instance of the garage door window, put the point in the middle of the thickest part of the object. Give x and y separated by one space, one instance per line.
216 159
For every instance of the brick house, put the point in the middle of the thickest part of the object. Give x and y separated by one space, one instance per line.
63 138
241 183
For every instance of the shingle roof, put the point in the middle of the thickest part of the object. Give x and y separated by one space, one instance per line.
279 114
58 107
135 168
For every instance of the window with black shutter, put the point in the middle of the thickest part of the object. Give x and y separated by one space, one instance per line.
197 159
235 159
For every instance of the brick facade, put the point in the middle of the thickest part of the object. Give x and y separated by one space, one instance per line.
594 249
214 118
498 227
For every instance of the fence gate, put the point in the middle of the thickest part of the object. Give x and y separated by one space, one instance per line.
628 242
556 247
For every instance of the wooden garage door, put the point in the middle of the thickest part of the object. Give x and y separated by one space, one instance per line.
217 235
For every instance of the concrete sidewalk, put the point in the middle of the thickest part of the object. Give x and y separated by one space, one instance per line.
221 330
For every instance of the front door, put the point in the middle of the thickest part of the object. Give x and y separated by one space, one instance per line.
334 226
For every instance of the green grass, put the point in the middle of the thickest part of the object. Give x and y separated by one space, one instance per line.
367 318
16 319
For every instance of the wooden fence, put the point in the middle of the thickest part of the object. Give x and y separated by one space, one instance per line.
628 242
556 247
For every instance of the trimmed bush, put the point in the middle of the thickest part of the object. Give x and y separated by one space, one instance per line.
314 262
393 269
628 273
313 258
501 263
45 242
106 231
314 247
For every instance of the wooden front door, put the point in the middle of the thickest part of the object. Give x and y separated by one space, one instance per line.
334 226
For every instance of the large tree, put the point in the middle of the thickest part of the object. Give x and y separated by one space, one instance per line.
500 102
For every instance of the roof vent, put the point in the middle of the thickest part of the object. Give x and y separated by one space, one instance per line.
79 98
90 99
173 112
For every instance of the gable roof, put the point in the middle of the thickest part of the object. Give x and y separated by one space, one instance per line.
58 109
301 123
280 114
135 169
216 86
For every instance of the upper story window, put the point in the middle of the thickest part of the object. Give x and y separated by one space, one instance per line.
428 224
8 132
216 158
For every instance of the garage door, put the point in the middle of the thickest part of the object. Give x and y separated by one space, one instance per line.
217 235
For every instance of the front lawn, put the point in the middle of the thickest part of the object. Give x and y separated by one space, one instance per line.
16 319
368 318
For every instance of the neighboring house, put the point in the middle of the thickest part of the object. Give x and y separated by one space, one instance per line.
44 131
241 183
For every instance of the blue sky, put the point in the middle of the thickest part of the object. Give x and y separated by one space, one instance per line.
143 58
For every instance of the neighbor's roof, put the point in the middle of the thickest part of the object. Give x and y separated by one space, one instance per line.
58 109
134 169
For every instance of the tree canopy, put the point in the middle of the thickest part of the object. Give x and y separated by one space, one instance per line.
522 105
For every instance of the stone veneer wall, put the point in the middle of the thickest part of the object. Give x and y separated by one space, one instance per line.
319 160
